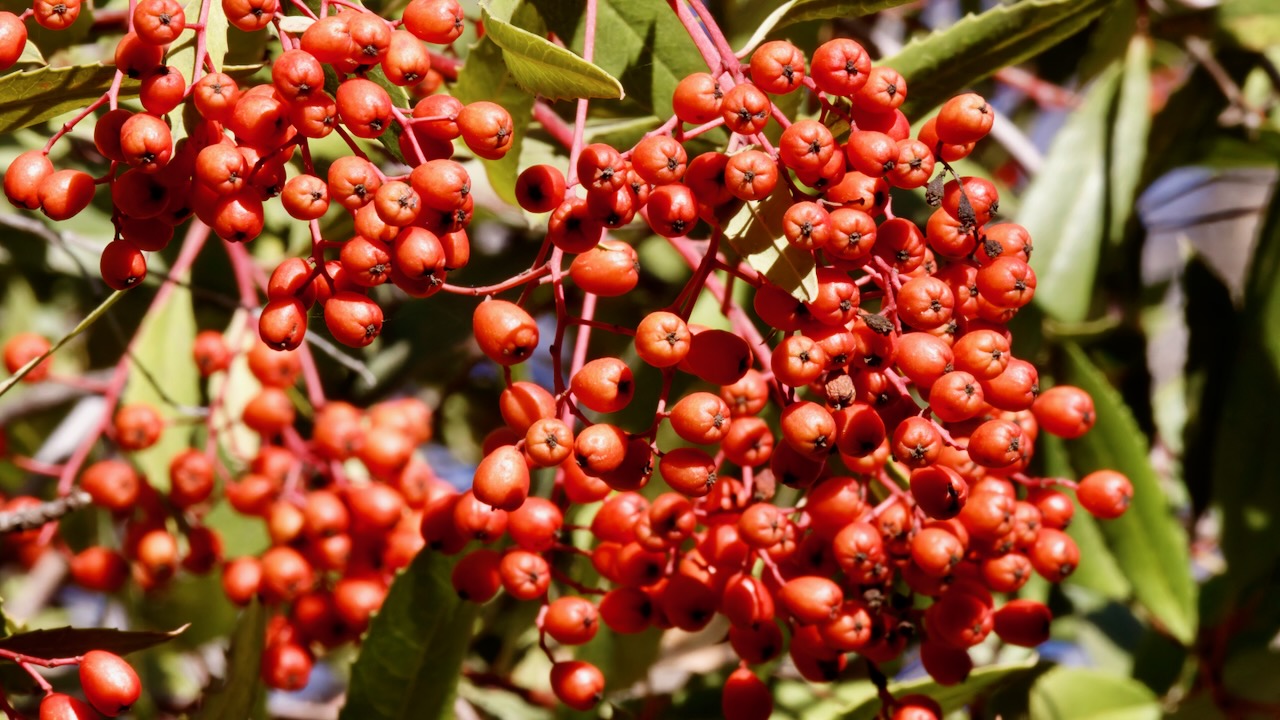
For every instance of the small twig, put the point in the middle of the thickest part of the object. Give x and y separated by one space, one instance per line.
32 518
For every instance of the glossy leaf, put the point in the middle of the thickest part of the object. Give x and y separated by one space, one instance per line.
33 96
1062 207
1148 541
70 642
411 657
762 18
544 68
84 324
164 376
755 231
239 694
642 44
946 62
1066 693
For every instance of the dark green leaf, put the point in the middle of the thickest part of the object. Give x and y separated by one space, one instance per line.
544 68
485 77
30 97
240 693
981 681
72 642
761 18
640 42
164 377
1249 503
1062 208
948 61
1066 693
410 659
755 231
1148 541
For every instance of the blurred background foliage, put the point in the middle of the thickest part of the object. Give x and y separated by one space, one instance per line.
1138 140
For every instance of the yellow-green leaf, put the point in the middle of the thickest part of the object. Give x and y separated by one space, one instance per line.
755 232
546 69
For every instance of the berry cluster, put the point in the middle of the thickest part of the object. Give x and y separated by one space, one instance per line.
840 477
903 418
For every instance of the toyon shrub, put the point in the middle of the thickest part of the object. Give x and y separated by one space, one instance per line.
842 470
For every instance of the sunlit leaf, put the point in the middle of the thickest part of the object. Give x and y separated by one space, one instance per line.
755 231
544 68
946 62
1066 693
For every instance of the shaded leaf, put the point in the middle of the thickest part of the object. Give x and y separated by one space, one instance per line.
72 642
163 375
1249 505
412 655
643 45
765 17
89 319
33 96
1066 693
544 68
755 231
1148 541
946 62
239 694
1062 207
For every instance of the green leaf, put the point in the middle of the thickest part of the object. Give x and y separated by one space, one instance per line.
544 68
412 655
641 42
755 231
1250 505
946 62
33 96
1063 206
71 642
1129 136
765 17
981 681
485 77
1066 693
164 377
1098 570
89 319
240 693
1251 24
183 54
1148 541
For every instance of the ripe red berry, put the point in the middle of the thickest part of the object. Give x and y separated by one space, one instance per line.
110 684
578 684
